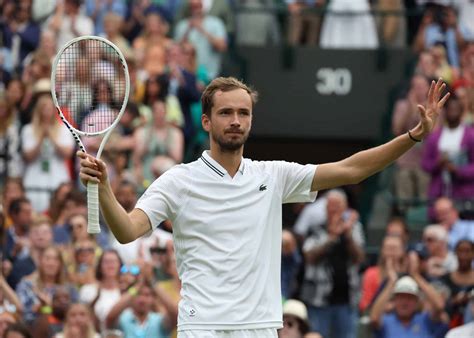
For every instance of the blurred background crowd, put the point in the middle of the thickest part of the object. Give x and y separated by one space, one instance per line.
415 280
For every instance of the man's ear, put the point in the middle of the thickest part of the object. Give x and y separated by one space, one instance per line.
206 122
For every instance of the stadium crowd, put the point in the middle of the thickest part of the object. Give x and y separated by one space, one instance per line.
58 281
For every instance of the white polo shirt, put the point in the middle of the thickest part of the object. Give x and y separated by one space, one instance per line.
227 238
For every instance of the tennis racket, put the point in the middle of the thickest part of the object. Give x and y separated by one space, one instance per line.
90 85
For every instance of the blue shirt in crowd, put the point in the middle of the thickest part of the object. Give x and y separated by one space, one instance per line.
421 326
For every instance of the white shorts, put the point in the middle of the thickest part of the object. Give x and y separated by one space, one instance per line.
257 333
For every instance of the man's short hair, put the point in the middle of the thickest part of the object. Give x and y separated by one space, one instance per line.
224 84
15 205
438 231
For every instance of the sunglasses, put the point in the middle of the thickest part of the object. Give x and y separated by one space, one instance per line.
132 269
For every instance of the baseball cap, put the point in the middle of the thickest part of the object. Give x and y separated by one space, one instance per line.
406 284
293 307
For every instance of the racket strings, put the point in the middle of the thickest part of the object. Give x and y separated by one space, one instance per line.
90 85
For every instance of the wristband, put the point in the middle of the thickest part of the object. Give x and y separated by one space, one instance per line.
412 138
47 310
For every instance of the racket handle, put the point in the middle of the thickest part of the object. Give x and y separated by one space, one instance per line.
93 226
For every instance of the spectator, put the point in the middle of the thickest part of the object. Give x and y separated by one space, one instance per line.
357 31
40 237
160 138
448 216
207 34
98 10
134 315
460 282
57 198
150 46
6 319
79 323
17 244
311 217
113 23
104 293
82 268
397 227
73 203
256 27
295 320
331 280
392 252
304 21
410 180
466 330
12 190
35 291
426 65
14 95
49 324
392 27
449 156
9 302
11 164
442 29
405 320
68 22
17 330
465 9
443 69
440 260
21 34
47 143
466 96
291 263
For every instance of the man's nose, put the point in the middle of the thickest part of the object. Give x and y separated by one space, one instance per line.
235 120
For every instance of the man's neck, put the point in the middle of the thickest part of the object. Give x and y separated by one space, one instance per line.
230 161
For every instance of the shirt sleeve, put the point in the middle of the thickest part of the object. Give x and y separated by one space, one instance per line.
294 181
162 199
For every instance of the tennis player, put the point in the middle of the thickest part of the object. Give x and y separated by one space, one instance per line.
226 212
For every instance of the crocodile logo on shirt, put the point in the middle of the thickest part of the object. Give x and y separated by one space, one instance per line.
263 187
192 312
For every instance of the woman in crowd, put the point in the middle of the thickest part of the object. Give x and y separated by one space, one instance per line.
79 323
47 144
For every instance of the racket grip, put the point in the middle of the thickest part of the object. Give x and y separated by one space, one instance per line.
93 226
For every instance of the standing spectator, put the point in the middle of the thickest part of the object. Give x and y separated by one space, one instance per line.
449 156
410 180
405 320
36 290
304 21
21 34
79 323
207 34
40 237
135 316
447 215
331 282
392 27
392 252
11 164
439 260
47 143
97 10
68 22
460 282
103 294
295 320
357 31
440 29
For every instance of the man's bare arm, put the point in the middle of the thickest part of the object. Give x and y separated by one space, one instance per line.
125 227
361 165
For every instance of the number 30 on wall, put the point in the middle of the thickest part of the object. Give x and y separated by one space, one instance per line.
331 81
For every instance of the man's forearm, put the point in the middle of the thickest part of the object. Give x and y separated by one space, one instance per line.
379 306
433 297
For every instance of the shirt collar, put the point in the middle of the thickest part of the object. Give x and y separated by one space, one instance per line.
216 167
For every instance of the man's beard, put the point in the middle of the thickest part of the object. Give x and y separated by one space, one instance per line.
231 145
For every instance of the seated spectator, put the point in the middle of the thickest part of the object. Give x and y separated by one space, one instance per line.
448 216
47 144
57 199
36 290
411 181
397 227
73 203
134 315
47 325
295 320
439 260
449 156
331 281
40 238
207 34
79 323
392 252
460 282
17 244
104 293
440 28
82 269
304 21
466 330
98 10
12 190
405 320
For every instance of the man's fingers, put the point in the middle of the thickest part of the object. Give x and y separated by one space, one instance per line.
91 172
443 100
88 178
